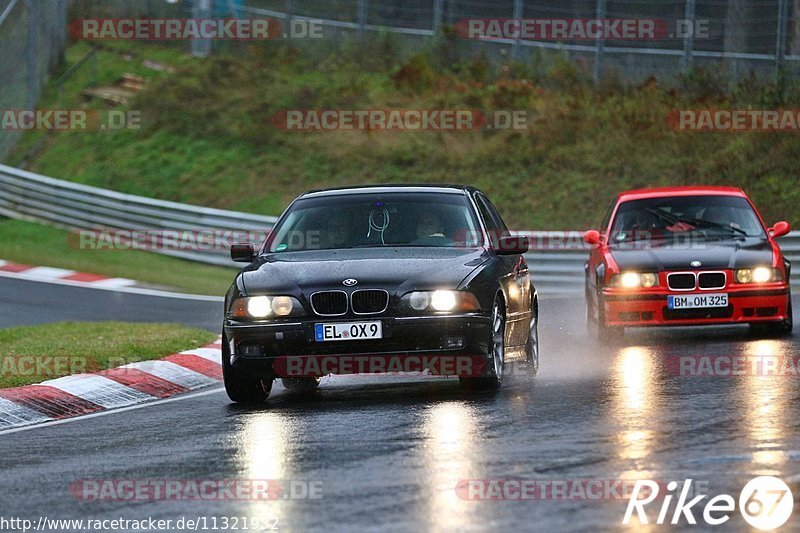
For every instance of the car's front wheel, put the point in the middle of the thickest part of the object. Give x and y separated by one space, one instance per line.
242 387
532 346
496 352
596 324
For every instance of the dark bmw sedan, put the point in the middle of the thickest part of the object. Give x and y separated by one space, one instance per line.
379 280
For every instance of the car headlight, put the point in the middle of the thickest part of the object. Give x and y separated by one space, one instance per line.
758 275
266 307
439 301
633 280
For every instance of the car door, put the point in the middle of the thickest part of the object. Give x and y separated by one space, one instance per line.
514 277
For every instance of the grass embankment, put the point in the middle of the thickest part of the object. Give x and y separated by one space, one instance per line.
32 354
34 244
208 136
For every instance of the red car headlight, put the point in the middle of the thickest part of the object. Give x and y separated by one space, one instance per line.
758 275
634 280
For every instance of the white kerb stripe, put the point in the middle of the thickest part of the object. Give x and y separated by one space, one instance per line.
99 390
173 373
113 283
13 415
212 354
47 273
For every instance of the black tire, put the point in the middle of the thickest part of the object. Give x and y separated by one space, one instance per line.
241 387
597 327
532 346
301 385
495 352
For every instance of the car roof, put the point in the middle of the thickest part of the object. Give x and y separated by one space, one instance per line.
389 188
689 190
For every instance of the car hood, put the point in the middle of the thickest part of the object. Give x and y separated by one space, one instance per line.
394 269
712 254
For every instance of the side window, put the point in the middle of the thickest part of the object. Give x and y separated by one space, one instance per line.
497 218
495 226
607 217
486 214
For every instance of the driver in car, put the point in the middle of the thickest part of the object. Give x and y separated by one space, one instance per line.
429 225
430 230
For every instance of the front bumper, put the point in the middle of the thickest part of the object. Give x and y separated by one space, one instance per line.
263 348
649 308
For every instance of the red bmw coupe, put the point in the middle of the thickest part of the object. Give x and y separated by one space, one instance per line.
686 256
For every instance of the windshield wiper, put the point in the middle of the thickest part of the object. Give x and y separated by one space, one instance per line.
711 224
695 221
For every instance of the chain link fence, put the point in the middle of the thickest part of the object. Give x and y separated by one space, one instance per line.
730 37
738 36
33 37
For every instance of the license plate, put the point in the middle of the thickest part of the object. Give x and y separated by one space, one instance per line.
695 301
348 331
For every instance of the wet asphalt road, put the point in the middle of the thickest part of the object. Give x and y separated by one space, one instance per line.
389 452
25 302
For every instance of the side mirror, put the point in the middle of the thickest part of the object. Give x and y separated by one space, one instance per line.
513 245
243 252
780 229
592 237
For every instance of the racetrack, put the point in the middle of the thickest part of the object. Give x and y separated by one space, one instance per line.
390 451
24 302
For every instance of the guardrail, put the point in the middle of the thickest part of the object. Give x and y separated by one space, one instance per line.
28 196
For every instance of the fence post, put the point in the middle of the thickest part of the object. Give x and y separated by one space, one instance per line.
600 14
201 10
517 16
288 8
62 32
780 42
437 15
32 53
362 18
688 38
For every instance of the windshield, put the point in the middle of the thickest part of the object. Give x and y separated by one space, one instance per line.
717 217
368 220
